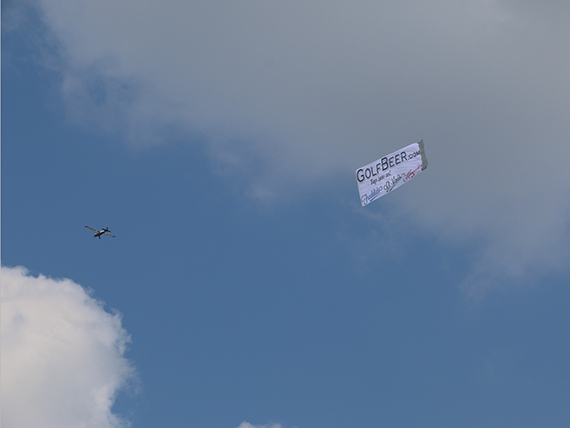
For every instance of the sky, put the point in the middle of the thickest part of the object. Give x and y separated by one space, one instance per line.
246 286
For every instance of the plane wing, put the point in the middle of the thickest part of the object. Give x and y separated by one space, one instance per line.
94 230
108 234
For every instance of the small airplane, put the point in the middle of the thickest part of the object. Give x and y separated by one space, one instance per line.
98 233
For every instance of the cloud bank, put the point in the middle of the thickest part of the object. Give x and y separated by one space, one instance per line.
248 425
63 355
308 91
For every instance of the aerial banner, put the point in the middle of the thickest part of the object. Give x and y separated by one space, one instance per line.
389 172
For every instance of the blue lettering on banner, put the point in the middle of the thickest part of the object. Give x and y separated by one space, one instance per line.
375 193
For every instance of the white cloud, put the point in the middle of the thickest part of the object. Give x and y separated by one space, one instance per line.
63 355
248 425
308 89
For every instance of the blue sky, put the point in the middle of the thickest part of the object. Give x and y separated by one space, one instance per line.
246 286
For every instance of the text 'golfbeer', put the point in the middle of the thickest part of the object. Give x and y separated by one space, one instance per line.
389 172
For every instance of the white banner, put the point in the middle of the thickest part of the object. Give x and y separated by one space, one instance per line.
389 172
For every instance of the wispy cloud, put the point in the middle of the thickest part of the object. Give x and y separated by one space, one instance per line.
63 355
311 90
248 425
